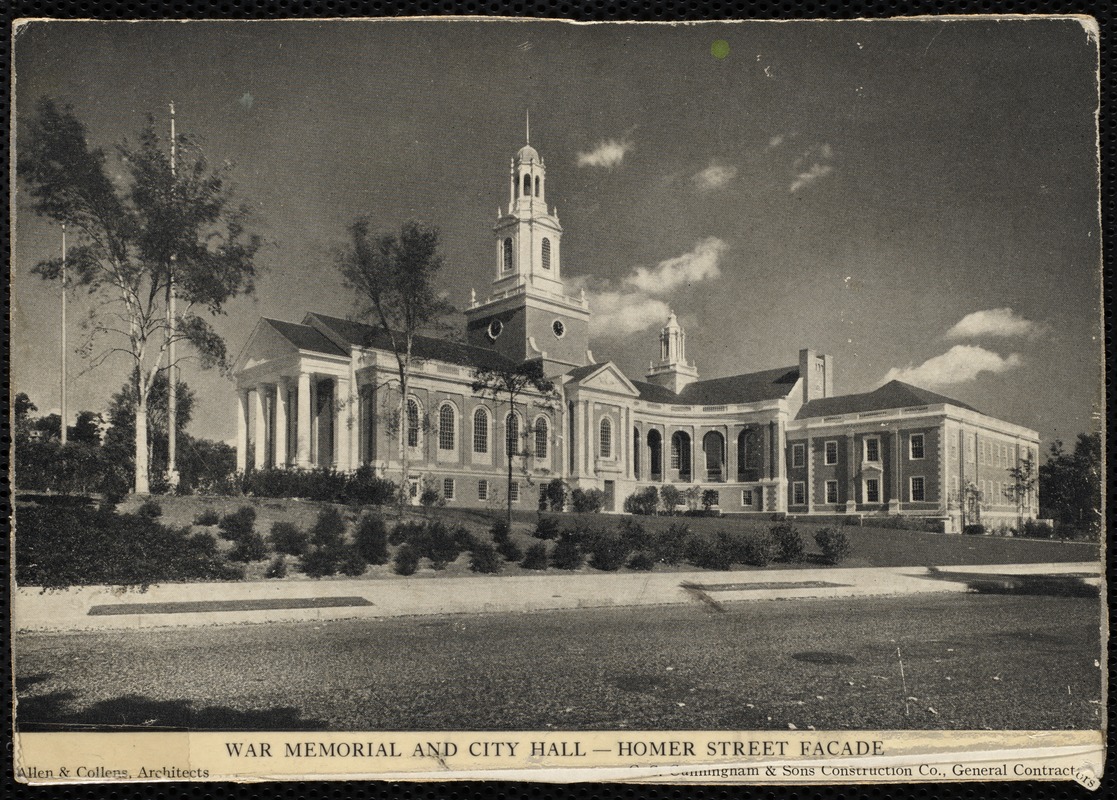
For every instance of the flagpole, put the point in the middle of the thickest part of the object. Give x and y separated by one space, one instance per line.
172 385
62 381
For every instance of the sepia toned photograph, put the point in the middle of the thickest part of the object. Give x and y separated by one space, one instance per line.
716 402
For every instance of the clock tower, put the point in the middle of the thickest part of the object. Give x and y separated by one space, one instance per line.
528 315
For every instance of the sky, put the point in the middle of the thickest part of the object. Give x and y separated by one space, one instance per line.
919 199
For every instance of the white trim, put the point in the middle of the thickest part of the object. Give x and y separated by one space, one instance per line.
797 487
826 492
922 446
449 453
798 455
452 485
865 450
865 490
922 489
826 452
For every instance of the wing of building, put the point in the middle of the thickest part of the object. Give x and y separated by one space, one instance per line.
321 392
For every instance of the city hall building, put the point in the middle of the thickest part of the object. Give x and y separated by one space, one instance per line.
321 393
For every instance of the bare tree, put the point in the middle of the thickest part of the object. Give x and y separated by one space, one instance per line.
129 231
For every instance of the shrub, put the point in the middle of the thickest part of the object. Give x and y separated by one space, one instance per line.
371 539
406 560
707 550
567 554
288 538
580 533
546 528
320 561
150 509
975 529
710 498
536 557
645 502
352 562
329 528
756 550
669 545
555 492
406 532
641 560
670 497
509 550
463 538
834 545
249 547
364 488
238 523
441 545
207 516
484 558
277 568
608 551
500 530
271 482
788 541
1037 530
431 497
587 501
634 534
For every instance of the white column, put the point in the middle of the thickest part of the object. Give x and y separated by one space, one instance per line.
353 425
342 429
315 426
281 426
242 430
588 436
261 428
628 441
579 443
302 435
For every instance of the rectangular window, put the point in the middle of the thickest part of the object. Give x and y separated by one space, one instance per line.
798 455
916 444
799 493
831 452
746 497
831 491
872 490
482 490
448 488
872 449
514 492
917 494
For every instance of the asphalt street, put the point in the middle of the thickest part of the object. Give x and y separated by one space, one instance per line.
968 662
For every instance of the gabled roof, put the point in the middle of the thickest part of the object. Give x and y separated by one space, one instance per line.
422 347
894 394
587 375
751 387
305 337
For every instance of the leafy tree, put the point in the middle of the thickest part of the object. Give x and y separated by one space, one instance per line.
394 278
1070 483
130 233
1024 478
22 409
515 384
122 415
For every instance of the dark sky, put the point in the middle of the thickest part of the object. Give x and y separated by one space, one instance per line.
860 188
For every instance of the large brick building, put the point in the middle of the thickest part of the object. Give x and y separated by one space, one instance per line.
319 393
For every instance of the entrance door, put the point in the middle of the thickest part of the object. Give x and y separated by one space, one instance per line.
610 495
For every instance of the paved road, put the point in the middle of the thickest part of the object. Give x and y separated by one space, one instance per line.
969 661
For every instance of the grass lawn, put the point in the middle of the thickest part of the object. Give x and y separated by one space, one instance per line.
871 546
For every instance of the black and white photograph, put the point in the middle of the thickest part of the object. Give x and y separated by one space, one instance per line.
714 402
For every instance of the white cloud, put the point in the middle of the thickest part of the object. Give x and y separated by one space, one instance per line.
775 141
960 364
699 264
994 322
812 166
714 177
622 313
608 153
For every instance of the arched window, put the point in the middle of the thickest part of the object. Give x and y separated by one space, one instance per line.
655 455
546 253
680 453
605 439
713 444
412 423
636 453
527 185
512 434
480 431
508 254
536 185
446 423
541 436
748 455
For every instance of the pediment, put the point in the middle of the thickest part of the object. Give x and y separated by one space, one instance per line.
609 379
264 345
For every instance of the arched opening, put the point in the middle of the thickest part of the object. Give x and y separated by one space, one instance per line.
412 423
546 253
512 434
537 185
446 427
713 446
655 456
541 437
636 453
605 439
527 185
480 431
680 454
508 254
748 455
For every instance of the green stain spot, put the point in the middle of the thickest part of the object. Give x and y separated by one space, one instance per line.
719 49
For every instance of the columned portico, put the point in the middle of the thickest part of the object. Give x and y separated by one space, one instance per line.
282 389
302 434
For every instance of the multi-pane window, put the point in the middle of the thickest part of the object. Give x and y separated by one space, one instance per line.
798 455
508 254
480 431
514 492
917 490
605 439
448 488
831 453
746 497
446 428
872 449
541 433
482 490
916 444
512 434
412 423
872 490
546 253
799 493
831 491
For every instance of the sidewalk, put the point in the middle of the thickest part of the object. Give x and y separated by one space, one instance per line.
194 604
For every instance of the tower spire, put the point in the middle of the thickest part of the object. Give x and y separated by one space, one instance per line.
527 127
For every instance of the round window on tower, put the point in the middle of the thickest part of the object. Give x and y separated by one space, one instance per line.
495 327
558 328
